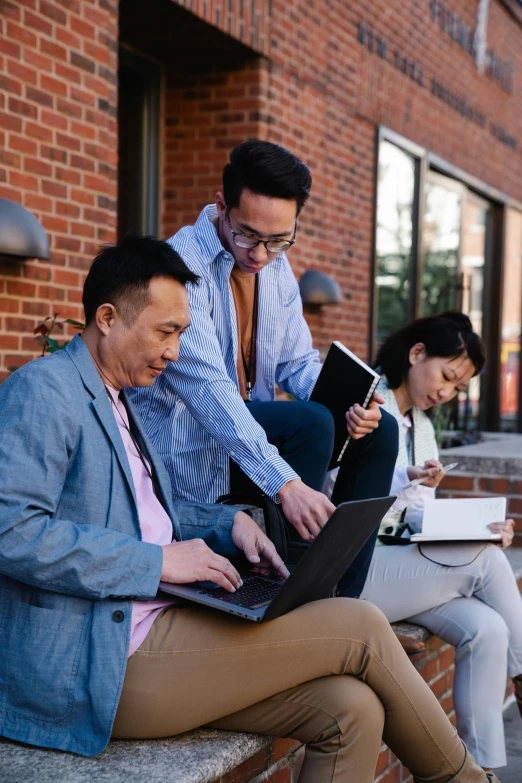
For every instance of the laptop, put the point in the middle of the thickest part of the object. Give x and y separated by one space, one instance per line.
314 577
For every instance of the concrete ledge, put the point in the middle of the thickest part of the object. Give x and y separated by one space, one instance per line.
196 757
499 454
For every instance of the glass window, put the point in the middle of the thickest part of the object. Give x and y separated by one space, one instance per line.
511 322
395 197
441 245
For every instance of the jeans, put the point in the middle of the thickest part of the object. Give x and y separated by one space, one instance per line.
303 433
473 603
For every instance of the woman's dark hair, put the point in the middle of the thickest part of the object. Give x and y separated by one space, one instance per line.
268 170
120 275
449 334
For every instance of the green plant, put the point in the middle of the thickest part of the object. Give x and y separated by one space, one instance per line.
441 420
43 332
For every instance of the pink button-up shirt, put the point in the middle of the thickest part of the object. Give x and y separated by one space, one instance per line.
155 524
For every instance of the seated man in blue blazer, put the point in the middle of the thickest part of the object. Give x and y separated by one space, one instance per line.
88 530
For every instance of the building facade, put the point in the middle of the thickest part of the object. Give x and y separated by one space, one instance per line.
120 116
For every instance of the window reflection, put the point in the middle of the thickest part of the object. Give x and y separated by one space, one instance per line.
394 238
441 245
511 322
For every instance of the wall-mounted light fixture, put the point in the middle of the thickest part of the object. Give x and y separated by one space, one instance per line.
21 234
317 288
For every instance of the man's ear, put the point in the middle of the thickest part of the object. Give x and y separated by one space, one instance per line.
221 205
105 317
417 354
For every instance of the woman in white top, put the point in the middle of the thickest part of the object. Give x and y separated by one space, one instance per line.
464 593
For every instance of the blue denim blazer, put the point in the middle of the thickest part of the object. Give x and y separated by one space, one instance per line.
71 555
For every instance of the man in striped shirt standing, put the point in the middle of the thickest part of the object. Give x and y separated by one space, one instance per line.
212 415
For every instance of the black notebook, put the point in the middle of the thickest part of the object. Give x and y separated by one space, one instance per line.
344 381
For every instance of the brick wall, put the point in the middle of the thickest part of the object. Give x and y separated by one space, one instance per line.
58 153
294 73
206 115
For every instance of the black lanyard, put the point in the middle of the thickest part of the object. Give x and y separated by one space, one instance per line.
250 366
139 449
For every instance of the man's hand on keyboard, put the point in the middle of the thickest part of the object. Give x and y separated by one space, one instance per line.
194 561
257 547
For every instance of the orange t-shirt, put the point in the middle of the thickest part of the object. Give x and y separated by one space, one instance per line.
243 290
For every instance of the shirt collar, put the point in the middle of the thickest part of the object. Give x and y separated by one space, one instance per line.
207 236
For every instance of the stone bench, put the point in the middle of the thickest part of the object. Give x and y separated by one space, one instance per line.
209 756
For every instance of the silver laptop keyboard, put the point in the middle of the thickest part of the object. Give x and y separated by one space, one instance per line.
253 594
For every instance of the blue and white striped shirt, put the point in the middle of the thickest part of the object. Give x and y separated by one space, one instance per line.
194 413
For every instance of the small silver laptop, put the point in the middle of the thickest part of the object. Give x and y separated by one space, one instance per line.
314 577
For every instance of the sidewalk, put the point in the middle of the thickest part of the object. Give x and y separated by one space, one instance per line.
513 725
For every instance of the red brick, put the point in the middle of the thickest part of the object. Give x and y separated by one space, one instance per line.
51 188
16 359
50 84
22 72
18 324
20 288
17 32
25 109
8 342
383 761
67 38
8 84
283 775
51 293
36 22
50 10
10 48
23 181
282 747
9 158
37 166
21 144
11 123
515 506
458 482
64 277
39 61
54 119
39 309
9 305
53 50
393 776
38 132
36 272
248 769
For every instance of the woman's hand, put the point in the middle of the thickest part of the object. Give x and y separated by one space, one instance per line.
433 471
506 530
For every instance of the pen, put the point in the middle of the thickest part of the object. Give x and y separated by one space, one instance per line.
418 481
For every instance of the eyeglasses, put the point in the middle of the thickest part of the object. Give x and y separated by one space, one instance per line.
248 242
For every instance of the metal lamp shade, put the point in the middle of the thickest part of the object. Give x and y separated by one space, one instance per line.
21 234
318 288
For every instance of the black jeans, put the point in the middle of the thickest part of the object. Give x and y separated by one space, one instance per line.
303 434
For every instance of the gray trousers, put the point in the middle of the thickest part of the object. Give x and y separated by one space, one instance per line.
476 607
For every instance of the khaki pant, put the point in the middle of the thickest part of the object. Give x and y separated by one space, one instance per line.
330 674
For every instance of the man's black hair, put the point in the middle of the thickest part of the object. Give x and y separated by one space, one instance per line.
120 275
268 170
449 334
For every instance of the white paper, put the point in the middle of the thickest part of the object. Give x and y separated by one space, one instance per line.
462 516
